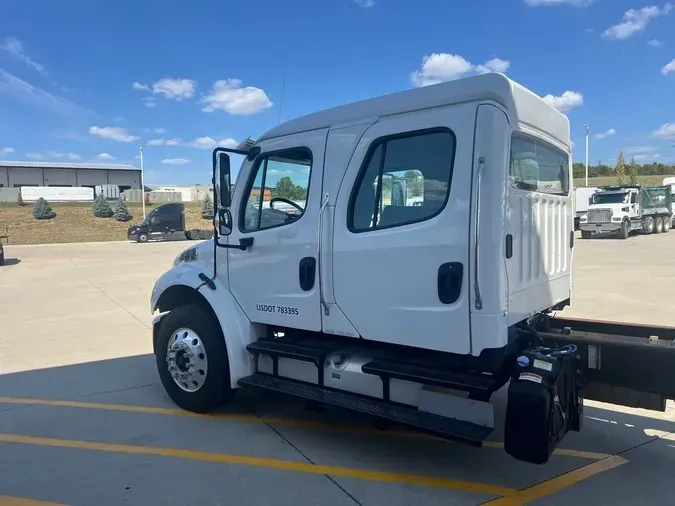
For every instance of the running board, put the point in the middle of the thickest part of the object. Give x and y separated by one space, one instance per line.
443 427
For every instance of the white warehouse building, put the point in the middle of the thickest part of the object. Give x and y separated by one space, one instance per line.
15 174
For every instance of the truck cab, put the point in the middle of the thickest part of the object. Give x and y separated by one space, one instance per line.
165 222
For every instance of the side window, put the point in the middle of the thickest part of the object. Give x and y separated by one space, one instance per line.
538 166
405 179
277 191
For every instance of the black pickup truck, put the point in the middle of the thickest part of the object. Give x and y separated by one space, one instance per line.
166 223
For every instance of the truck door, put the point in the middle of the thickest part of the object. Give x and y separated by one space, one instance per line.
275 279
400 272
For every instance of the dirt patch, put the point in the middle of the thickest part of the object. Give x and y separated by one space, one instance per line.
75 222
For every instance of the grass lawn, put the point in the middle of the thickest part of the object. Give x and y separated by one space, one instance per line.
75 222
609 180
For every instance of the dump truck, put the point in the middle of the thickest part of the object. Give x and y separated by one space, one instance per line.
166 223
622 209
413 311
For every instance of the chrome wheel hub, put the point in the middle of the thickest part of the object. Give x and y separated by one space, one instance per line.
186 359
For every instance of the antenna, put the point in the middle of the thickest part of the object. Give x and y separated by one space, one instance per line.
283 86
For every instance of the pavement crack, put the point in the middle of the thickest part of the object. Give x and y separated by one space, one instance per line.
108 296
330 478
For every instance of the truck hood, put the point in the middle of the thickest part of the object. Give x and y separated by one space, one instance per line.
615 208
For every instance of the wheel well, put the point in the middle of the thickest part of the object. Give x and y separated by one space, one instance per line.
180 295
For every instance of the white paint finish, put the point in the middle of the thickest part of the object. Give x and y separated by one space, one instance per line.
385 281
522 105
488 320
582 198
56 194
267 273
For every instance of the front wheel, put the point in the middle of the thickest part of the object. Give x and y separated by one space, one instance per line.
142 237
624 231
192 360
585 234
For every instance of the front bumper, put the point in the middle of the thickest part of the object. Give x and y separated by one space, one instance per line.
600 227
132 235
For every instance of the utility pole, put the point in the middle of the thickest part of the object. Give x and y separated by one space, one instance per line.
142 183
586 127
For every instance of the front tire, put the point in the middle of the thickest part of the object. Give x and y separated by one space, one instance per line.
585 234
142 237
196 375
625 230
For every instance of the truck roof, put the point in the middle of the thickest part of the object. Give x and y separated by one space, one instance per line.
523 106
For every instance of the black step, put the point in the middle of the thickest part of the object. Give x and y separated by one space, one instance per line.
440 426
472 383
306 351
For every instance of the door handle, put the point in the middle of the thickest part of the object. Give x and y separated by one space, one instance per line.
307 273
450 277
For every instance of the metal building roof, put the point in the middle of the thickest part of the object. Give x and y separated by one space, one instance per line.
14 164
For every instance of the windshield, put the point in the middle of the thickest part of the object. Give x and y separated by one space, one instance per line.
610 198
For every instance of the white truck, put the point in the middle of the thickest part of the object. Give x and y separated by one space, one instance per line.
416 311
583 197
623 209
670 182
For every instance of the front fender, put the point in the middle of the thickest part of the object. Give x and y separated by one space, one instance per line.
182 285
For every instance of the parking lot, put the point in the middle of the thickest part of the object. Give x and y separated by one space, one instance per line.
84 420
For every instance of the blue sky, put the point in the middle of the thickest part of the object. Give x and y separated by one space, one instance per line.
91 80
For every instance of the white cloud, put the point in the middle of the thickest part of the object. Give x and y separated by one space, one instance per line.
105 156
139 86
175 88
228 95
644 158
156 142
565 102
228 143
204 143
118 134
494 65
655 43
15 48
159 131
149 102
175 161
665 131
605 134
6 151
635 21
74 156
364 3
34 156
37 97
174 142
537 3
669 67
440 67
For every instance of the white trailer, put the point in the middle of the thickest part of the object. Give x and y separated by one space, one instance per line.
415 311
582 200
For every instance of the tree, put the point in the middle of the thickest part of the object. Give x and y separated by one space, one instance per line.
101 208
287 189
207 209
415 183
633 171
620 170
121 212
42 210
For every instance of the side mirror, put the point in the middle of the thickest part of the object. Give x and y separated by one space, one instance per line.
224 222
223 168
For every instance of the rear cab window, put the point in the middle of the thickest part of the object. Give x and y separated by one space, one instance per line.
538 166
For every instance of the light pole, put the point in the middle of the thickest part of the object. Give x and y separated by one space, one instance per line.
142 183
586 127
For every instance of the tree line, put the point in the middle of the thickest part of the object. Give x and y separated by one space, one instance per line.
624 169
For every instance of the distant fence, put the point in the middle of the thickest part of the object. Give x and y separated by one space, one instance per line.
9 194
155 197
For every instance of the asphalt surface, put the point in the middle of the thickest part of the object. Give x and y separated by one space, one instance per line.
84 420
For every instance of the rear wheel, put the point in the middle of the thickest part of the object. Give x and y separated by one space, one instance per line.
666 225
658 225
192 360
648 225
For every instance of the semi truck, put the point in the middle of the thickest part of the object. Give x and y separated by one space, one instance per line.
583 198
415 312
166 223
622 209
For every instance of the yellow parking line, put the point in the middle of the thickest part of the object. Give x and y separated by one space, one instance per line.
306 424
285 465
558 483
18 501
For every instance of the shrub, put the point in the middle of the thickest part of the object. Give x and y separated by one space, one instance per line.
19 199
207 210
101 208
42 210
122 211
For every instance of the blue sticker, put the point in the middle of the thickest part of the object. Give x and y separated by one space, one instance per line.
523 361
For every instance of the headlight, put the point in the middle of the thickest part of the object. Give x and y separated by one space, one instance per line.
189 255
584 218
